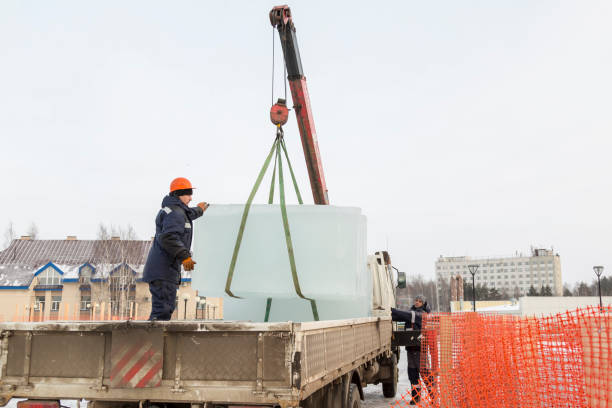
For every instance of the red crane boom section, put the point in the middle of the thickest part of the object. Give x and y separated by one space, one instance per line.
280 17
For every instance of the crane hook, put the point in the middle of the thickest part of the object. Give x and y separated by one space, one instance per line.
279 113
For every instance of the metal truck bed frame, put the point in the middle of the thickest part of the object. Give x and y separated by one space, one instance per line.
199 361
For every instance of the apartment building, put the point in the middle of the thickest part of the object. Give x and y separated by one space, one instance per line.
512 274
86 279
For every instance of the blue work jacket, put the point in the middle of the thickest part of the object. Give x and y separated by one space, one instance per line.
172 243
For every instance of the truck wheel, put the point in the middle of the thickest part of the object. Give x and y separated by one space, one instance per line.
390 385
353 397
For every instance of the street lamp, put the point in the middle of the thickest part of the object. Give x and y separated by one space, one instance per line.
598 271
473 269
185 298
200 307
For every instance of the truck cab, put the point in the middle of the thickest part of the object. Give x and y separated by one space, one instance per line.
384 282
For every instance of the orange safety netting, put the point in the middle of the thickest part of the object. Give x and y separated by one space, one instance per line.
484 360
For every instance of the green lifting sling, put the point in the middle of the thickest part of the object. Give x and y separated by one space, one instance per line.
277 146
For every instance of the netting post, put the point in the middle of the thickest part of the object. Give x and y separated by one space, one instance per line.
446 361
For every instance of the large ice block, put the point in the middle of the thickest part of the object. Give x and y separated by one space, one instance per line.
295 309
330 252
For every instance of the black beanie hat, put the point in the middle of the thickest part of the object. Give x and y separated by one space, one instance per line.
178 193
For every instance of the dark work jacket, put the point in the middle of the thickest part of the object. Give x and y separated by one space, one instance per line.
172 243
412 318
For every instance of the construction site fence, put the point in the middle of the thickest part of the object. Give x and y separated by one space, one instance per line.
64 311
484 360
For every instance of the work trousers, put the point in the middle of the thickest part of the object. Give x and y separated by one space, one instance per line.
415 371
414 365
163 299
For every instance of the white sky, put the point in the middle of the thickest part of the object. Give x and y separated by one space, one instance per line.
460 128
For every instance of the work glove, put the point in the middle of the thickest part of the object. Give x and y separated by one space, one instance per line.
188 264
203 206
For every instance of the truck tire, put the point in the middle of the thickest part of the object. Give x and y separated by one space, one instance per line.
389 386
354 400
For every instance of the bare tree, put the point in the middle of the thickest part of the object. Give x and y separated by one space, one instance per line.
33 231
582 289
417 285
103 233
9 234
115 252
444 293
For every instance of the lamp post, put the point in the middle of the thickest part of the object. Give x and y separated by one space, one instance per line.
185 298
598 271
473 269
201 307
198 299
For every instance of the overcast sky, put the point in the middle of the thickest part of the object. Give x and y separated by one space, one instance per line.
474 128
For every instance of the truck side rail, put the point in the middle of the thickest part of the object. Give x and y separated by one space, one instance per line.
331 349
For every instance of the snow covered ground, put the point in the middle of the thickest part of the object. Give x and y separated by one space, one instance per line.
373 393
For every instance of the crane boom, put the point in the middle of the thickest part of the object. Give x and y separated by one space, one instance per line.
280 17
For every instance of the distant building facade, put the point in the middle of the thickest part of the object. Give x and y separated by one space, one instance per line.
513 275
85 279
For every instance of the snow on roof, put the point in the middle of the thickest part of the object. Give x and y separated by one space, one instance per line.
70 271
17 275
22 275
23 258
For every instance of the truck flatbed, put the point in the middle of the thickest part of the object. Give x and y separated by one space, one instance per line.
191 362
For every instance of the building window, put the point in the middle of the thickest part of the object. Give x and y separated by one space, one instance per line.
55 303
49 277
39 303
85 302
85 274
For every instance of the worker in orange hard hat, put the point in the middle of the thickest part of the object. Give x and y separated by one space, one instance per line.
171 247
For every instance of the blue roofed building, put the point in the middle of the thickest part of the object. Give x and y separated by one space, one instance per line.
85 279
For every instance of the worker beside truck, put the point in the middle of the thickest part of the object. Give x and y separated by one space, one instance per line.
171 247
414 320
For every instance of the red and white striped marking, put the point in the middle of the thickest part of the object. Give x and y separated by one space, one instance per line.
137 365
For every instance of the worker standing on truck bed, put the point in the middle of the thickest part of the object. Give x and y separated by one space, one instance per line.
413 319
171 247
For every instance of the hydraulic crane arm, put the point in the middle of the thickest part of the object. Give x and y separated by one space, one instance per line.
280 17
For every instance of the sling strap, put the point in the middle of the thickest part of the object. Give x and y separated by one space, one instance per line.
277 146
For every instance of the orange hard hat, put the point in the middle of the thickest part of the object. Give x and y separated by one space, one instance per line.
180 183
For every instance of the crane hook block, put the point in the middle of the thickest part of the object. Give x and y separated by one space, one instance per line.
279 112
